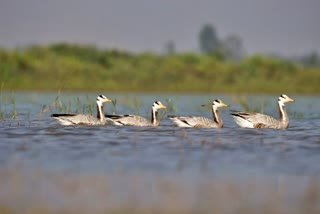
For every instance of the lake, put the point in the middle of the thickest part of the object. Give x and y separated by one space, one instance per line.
34 147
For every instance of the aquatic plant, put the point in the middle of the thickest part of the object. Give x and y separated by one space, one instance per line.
8 106
14 113
171 105
89 106
135 104
58 103
114 106
2 115
248 106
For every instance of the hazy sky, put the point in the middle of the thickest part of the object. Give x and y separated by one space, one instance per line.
289 27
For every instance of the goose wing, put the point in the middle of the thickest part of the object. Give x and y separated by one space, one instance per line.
76 119
128 120
191 121
255 120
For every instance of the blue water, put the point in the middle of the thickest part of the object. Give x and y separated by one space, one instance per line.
36 141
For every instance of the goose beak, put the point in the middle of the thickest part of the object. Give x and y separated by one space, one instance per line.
163 106
290 100
224 105
107 100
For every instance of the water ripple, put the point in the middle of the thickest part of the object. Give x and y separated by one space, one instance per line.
41 142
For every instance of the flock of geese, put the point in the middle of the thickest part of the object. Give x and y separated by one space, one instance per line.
243 119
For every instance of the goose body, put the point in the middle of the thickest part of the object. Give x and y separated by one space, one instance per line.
257 120
82 119
135 120
201 122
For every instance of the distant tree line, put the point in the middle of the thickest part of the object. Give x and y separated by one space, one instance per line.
311 59
209 42
230 48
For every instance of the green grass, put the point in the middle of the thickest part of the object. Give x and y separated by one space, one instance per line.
79 67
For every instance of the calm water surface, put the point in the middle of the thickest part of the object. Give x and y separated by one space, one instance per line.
38 142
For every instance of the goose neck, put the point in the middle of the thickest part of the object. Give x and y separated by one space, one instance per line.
100 114
216 117
154 117
282 112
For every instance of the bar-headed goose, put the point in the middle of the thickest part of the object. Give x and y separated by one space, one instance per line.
201 122
82 119
257 120
135 120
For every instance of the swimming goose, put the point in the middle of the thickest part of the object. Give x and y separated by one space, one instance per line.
201 122
257 120
135 120
81 119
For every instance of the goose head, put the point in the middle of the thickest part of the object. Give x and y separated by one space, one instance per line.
158 105
218 103
102 99
284 99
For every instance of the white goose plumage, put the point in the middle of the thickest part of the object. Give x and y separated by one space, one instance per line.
135 120
257 120
82 119
201 122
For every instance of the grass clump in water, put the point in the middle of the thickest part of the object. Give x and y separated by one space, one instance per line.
8 106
